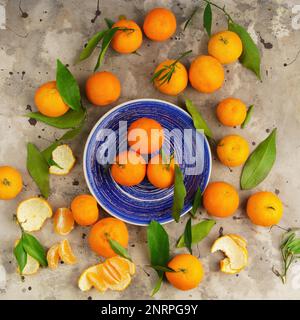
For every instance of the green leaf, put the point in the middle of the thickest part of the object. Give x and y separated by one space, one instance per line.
197 201
199 122
179 194
188 21
69 120
91 45
187 235
207 19
109 22
69 135
199 232
38 168
21 255
118 249
248 117
260 163
109 34
33 247
157 285
162 268
67 87
158 244
250 57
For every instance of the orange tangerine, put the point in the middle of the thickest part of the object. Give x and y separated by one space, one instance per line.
85 209
65 252
63 221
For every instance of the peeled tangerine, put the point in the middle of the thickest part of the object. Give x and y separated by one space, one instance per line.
234 247
32 213
114 273
64 158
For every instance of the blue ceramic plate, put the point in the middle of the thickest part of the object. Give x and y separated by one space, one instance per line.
140 204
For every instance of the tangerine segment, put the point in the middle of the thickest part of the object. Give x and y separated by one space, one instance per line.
122 265
10 182
53 256
107 228
127 41
84 283
145 135
48 100
65 252
63 221
96 281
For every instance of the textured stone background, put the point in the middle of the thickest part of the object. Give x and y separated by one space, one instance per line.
42 31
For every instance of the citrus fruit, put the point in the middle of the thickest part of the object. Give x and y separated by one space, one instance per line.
178 81
32 213
53 256
10 183
264 209
129 168
236 255
64 158
233 150
65 252
161 174
231 112
105 229
220 199
114 273
85 210
84 283
63 221
103 88
188 272
145 135
48 100
159 24
226 46
127 41
206 74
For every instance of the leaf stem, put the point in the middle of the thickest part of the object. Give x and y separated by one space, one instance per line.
220 8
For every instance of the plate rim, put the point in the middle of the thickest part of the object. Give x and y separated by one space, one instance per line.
171 219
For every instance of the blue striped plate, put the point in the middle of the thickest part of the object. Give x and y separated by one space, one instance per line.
140 204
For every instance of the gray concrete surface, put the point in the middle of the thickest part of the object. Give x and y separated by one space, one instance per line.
44 30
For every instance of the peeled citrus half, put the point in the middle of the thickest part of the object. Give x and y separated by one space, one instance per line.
236 254
65 252
64 158
32 213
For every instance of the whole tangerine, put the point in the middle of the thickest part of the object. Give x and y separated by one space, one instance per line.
103 88
206 74
105 229
11 182
188 273
85 210
48 100
160 24
231 112
220 199
127 41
